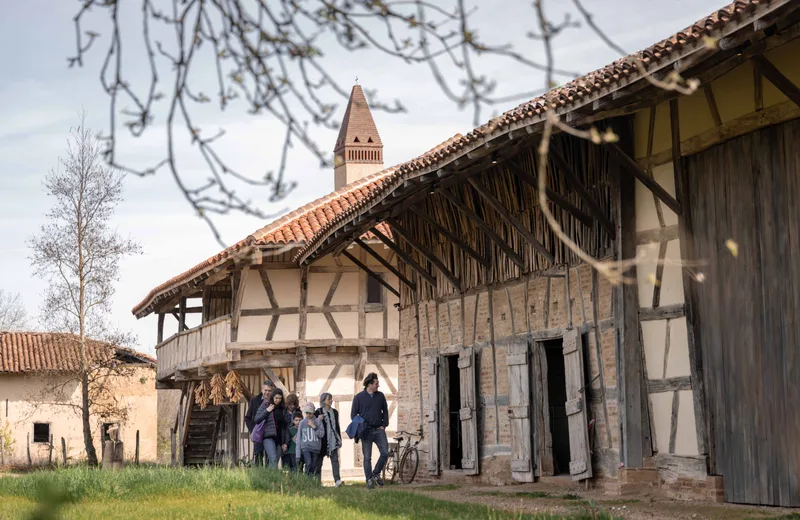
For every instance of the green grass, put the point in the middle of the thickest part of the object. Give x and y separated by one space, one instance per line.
143 493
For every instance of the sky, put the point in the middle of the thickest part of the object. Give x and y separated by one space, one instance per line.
41 97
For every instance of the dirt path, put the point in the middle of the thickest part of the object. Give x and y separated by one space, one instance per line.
541 498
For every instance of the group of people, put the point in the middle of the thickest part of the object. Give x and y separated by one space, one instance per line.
301 439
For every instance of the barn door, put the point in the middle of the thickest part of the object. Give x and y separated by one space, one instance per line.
523 462
468 413
432 416
580 465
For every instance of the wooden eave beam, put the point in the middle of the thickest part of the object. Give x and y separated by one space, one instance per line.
175 314
483 260
638 172
370 272
424 251
498 206
385 263
402 255
483 226
237 304
554 196
776 77
574 181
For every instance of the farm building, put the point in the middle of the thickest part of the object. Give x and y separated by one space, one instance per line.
40 398
312 329
518 359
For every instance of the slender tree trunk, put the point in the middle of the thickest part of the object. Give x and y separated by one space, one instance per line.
91 454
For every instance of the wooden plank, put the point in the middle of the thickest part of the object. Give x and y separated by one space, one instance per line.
598 345
301 328
386 379
662 253
670 384
160 336
272 376
660 234
326 342
580 465
673 424
675 310
387 264
513 221
402 255
399 230
370 272
712 105
633 168
334 327
268 287
482 259
573 180
332 289
237 304
432 415
470 461
523 456
776 77
758 88
487 230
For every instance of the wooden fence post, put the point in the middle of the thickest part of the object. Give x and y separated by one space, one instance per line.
30 462
137 447
50 452
63 451
172 446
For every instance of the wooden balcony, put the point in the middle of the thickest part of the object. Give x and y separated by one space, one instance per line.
201 346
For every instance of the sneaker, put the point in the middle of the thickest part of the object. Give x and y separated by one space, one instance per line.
339 483
378 480
370 483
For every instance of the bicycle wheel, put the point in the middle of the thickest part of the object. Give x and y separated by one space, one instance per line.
390 469
408 465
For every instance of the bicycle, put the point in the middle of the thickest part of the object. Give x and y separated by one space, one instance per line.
403 459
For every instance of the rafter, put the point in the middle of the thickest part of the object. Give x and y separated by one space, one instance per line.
483 226
386 263
370 272
633 168
776 77
402 255
398 229
483 260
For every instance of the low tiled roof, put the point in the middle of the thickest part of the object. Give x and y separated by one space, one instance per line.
296 227
29 352
573 95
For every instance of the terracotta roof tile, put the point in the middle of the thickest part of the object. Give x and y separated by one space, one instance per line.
28 352
563 99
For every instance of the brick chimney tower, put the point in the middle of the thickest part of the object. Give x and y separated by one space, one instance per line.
359 149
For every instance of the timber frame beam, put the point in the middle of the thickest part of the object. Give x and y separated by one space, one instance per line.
483 226
402 255
776 77
370 272
410 240
632 167
498 206
483 260
385 263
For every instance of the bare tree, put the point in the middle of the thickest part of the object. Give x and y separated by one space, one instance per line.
13 315
78 253
274 56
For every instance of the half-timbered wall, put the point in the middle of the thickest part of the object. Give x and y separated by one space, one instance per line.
735 103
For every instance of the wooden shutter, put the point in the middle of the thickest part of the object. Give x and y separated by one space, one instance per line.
580 465
523 461
432 416
468 413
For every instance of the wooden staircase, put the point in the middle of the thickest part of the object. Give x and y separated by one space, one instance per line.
201 435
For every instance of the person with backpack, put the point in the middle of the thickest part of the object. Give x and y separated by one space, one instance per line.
332 440
272 413
250 416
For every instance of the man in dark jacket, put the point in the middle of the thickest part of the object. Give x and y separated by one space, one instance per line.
250 416
371 405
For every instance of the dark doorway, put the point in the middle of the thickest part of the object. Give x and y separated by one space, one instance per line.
453 406
557 397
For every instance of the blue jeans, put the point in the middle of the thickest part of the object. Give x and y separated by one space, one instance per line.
334 465
272 450
377 436
258 453
310 459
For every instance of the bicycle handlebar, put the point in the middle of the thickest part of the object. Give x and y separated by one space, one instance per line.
414 434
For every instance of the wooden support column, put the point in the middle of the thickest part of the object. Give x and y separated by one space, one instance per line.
402 232
631 388
240 280
385 263
402 255
513 221
781 82
182 314
487 229
160 337
301 333
482 259
300 374
703 427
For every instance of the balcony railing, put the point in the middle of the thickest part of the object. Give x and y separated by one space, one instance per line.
202 345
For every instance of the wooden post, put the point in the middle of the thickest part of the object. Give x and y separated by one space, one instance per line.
137 447
160 337
172 446
50 452
2 450
30 462
63 451
182 314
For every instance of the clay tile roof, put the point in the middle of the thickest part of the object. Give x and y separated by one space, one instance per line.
30 352
357 123
577 93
